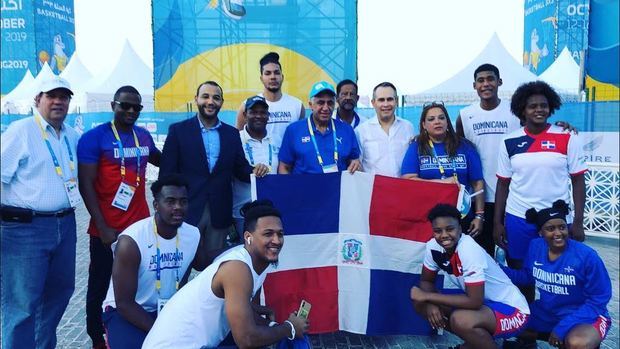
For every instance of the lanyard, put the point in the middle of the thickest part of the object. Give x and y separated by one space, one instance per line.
122 153
158 271
441 169
51 150
316 147
248 149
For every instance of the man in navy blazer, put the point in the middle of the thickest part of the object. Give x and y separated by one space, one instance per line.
208 153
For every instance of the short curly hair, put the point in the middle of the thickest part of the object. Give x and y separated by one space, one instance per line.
523 92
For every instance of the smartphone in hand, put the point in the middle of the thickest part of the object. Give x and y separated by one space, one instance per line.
304 309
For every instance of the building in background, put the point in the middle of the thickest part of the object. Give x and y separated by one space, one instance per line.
35 32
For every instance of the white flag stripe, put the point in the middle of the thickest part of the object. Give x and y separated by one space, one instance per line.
308 251
355 196
353 298
396 254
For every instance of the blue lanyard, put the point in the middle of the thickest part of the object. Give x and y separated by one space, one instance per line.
51 150
316 147
441 169
248 149
122 153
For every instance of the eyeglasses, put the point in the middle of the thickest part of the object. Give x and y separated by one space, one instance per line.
127 106
433 104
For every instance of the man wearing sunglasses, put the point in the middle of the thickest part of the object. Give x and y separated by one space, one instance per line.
112 174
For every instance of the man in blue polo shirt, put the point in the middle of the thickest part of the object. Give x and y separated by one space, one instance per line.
319 144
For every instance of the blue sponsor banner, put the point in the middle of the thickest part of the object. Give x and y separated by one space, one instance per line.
54 32
198 40
18 42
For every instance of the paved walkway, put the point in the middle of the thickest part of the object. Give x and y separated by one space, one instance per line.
72 330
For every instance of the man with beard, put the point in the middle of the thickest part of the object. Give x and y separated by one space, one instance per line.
319 144
208 153
347 97
150 258
258 147
284 109
224 297
112 175
384 139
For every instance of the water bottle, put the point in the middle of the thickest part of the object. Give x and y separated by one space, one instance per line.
500 256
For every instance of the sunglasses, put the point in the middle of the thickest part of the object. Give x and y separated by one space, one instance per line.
127 106
433 104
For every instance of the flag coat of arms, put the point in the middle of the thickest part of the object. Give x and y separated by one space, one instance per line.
353 248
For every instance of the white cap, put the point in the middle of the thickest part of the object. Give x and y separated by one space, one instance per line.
54 83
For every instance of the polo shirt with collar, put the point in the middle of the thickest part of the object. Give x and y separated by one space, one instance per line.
382 153
298 150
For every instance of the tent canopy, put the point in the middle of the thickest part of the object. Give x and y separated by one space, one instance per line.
563 74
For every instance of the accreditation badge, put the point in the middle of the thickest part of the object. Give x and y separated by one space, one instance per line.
330 168
123 196
160 304
71 188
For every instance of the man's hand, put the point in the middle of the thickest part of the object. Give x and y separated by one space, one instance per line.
301 325
566 126
499 235
576 231
475 227
354 165
107 235
261 170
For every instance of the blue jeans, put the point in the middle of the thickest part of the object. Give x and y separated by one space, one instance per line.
38 279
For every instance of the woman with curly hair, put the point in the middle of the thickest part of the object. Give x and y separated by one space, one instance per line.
439 154
572 285
535 165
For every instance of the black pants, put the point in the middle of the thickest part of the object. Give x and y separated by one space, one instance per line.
99 273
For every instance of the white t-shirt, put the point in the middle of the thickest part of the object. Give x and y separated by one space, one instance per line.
282 113
539 167
170 263
471 265
256 152
195 316
486 128
383 153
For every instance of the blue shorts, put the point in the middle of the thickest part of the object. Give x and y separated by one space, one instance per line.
509 321
120 332
543 321
519 234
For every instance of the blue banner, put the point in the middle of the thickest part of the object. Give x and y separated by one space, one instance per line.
198 40
18 42
54 32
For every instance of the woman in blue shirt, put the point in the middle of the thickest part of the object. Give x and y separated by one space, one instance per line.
438 154
572 284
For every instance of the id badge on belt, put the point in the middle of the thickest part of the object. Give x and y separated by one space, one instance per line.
330 168
71 188
160 304
123 196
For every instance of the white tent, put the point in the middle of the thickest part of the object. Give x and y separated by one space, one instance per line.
563 74
458 89
78 76
23 99
20 92
128 70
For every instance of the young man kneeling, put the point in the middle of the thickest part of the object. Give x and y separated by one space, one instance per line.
491 307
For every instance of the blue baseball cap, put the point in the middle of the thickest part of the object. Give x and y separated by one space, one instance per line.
319 87
252 101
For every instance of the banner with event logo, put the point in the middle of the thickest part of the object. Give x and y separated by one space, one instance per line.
199 40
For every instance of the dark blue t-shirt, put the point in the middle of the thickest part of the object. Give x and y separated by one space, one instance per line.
466 161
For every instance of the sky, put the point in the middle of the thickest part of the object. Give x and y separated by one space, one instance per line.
415 44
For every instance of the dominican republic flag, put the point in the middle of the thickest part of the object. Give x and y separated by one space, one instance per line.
353 248
547 144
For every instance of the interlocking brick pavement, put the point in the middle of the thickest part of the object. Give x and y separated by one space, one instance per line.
72 329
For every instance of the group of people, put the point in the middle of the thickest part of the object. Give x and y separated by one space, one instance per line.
506 158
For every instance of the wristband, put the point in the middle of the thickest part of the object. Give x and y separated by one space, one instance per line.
292 330
479 216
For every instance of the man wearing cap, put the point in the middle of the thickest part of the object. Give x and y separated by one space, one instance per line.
319 144
385 138
208 153
112 176
38 230
259 148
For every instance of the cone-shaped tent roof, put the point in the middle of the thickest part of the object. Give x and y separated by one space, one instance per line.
77 74
563 74
22 90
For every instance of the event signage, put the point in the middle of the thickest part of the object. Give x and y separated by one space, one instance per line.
197 40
